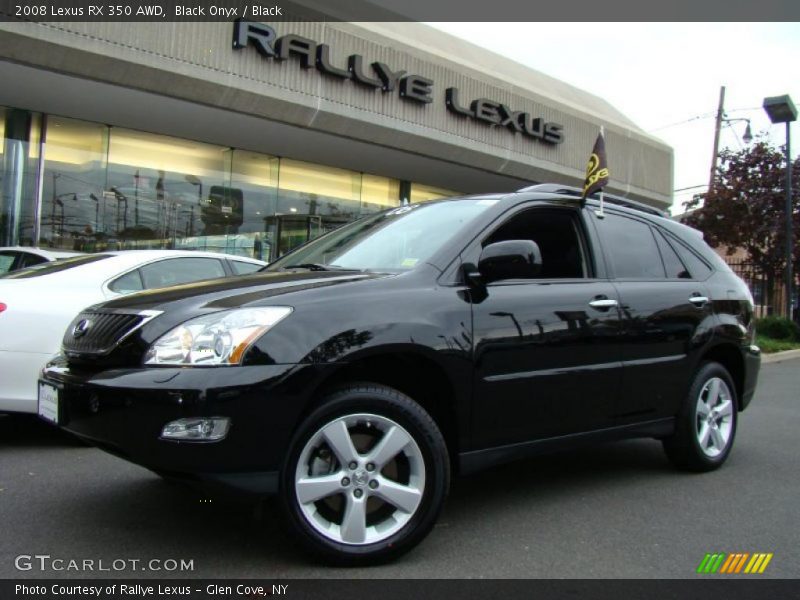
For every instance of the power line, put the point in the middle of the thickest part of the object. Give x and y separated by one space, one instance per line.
691 187
703 116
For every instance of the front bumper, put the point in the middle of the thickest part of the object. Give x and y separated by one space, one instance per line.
123 412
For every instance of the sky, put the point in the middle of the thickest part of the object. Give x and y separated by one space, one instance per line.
665 77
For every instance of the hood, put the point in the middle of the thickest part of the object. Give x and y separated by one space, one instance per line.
233 292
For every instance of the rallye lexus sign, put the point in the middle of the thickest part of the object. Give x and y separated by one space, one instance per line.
413 88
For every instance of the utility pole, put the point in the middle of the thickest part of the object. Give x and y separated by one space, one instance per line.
717 128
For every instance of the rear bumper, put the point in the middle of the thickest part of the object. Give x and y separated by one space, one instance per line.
123 411
752 366
18 374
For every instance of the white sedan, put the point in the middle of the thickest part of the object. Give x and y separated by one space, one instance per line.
37 303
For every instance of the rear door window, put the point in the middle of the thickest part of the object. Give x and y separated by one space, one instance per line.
630 247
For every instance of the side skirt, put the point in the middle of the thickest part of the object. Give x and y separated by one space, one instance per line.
477 460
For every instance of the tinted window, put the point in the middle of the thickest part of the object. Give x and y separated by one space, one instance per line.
56 266
698 269
174 271
243 268
631 248
556 234
130 282
28 260
672 262
6 261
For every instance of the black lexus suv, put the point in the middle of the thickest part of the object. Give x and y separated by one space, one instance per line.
352 376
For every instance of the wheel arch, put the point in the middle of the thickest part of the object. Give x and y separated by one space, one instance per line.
730 357
430 386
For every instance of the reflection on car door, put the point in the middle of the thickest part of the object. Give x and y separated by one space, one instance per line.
665 315
546 349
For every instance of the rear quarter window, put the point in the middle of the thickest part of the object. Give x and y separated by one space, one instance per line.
698 268
243 268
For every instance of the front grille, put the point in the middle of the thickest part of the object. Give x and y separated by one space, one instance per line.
102 331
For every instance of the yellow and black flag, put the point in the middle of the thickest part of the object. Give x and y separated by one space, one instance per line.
597 169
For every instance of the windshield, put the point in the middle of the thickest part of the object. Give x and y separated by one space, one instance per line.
47 268
395 240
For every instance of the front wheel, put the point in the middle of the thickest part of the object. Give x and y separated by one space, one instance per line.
706 425
366 476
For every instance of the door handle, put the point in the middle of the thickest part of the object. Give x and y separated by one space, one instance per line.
601 303
699 301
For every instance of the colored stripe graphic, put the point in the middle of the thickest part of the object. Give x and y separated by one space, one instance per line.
766 562
702 566
741 562
732 558
723 563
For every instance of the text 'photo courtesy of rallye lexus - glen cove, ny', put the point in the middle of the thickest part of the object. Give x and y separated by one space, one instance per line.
356 374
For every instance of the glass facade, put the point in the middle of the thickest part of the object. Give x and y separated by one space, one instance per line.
99 187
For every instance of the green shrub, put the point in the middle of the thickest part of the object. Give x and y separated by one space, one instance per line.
778 328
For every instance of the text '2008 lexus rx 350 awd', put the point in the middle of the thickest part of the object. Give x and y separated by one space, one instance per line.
355 374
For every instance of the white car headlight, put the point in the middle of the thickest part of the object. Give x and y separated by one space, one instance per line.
217 339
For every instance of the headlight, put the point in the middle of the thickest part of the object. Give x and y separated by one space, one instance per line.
217 339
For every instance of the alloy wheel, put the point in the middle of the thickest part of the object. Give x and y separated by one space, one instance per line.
359 479
714 417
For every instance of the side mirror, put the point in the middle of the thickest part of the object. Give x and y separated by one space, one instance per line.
512 259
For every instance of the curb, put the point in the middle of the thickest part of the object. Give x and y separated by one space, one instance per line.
780 356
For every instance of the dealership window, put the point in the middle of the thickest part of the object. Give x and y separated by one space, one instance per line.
165 189
105 187
75 212
255 176
378 193
19 148
312 199
426 193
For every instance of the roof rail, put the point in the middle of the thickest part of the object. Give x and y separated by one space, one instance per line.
565 190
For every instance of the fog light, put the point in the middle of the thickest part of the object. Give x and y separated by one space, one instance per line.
198 429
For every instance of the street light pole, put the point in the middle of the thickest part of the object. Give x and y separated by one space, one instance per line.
789 224
781 109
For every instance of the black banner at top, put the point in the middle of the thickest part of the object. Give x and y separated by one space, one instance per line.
393 10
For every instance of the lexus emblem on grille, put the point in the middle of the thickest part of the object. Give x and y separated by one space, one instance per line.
81 327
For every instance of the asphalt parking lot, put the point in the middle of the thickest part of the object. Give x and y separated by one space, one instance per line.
618 510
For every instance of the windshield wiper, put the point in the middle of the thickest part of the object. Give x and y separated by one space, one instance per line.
315 267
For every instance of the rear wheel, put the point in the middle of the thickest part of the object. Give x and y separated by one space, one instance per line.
366 476
706 425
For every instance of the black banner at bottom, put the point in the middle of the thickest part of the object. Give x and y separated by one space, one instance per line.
390 589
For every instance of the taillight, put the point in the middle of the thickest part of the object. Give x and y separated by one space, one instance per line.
3 307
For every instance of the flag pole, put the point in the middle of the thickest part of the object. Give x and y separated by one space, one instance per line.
600 212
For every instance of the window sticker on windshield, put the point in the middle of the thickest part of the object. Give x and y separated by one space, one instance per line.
486 202
409 262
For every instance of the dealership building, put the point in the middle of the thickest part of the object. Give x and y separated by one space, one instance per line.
250 138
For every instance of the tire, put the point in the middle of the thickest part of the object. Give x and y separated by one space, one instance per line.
706 424
346 515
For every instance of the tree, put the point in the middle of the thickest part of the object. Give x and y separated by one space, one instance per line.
746 207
